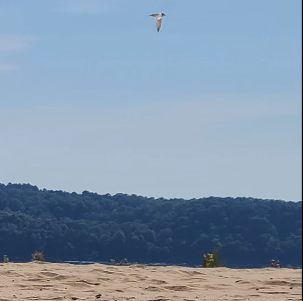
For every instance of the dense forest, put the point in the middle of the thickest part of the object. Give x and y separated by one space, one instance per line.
88 226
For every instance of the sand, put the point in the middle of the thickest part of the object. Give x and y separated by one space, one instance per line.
60 281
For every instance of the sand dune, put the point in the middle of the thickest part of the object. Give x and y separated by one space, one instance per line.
51 281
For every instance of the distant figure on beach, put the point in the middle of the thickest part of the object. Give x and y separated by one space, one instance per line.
275 264
124 261
208 260
205 263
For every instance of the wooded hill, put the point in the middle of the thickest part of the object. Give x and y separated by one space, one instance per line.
88 226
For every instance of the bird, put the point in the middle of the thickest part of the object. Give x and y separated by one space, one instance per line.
158 18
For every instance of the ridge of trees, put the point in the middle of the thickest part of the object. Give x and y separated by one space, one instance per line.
89 226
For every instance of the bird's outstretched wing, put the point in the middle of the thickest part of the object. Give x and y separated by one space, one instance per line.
154 15
158 24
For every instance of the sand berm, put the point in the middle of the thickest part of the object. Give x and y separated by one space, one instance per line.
61 281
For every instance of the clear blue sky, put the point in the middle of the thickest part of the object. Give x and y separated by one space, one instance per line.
93 98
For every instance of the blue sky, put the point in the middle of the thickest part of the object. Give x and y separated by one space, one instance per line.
93 98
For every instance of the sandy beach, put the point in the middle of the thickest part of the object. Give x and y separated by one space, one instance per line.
60 281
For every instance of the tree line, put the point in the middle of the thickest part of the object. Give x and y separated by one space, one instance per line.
89 226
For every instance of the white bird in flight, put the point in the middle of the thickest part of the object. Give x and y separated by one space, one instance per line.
158 18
